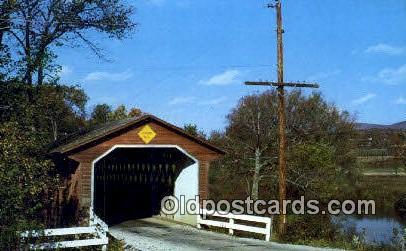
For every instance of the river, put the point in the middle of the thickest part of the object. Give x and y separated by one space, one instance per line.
374 229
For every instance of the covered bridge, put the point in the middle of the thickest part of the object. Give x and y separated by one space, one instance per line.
122 170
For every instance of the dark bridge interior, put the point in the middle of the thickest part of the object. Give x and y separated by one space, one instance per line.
131 182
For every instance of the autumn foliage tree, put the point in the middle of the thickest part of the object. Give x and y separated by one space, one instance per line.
320 151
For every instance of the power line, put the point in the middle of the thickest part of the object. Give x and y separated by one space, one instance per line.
179 68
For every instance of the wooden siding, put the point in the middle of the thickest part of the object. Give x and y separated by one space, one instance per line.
165 136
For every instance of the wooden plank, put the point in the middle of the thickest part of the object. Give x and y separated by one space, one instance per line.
60 232
70 244
214 223
234 226
257 230
98 227
231 225
237 216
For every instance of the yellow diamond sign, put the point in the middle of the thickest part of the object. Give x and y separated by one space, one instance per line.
146 134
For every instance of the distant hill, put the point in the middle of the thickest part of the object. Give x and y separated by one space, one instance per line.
396 126
400 125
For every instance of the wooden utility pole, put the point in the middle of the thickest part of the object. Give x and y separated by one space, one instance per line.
281 113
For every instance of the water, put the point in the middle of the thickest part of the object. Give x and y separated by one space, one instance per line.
374 229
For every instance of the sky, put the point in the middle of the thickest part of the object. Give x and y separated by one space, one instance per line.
187 60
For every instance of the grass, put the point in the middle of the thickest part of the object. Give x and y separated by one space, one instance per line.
372 159
385 190
383 167
384 170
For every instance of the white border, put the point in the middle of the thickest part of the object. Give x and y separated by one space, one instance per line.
131 146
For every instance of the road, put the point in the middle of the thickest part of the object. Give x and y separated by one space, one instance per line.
161 235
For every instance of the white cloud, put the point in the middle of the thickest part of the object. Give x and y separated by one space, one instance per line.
66 70
181 100
214 101
323 75
225 78
400 101
103 75
364 99
389 76
386 49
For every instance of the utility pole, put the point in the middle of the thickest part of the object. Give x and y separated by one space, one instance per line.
280 84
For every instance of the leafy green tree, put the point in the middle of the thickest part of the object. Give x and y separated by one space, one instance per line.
63 109
101 114
104 113
193 130
53 110
26 182
313 171
31 117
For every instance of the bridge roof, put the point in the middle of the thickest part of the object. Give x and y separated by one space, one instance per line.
81 140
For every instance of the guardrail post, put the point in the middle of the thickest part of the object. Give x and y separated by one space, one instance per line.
198 221
231 230
268 230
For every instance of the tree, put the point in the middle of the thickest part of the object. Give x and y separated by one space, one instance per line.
312 122
37 26
101 114
134 112
26 182
119 113
6 8
193 130
320 150
250 137
52 110
62 108
312 170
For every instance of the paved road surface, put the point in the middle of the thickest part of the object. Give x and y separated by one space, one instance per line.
161 235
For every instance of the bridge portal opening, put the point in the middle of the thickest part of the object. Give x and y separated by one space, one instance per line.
129 183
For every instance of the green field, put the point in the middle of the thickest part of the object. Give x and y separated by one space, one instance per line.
385 190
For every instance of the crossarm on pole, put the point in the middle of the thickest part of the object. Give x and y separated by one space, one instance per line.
288 84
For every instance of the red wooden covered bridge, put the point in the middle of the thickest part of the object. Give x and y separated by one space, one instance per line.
122 170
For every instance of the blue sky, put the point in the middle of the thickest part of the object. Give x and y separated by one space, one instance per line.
187 60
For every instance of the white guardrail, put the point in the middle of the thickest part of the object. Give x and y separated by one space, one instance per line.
231 225
98 229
